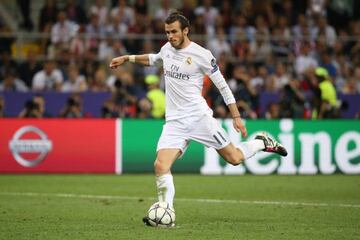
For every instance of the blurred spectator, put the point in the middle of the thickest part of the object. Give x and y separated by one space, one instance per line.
29 67
141 26
2 107
11 83
6 41
116 28
343 69
62 31
48 79
339 12
48 15
75 12
90 64
220 111
258 81
208 12
328 63
98 83
76 82
164 11
24 6
73 107
144 109
281 38
35 108
125 92
226 14
287 9
31 110
108 110
127 13
98 8
261 49
292 101
244 92
156 96
304 60
247 9
300 29
355 48
316 8
352 84
218 44
40 101
323 28
273 111
279 78
77 46
106 51
141 7
241 28
7 63
188 10
94 32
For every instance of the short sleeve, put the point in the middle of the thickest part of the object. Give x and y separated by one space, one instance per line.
208 64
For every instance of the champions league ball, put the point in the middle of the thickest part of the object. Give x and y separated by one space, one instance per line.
161 215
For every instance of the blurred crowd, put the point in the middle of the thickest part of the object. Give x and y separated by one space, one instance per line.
307 52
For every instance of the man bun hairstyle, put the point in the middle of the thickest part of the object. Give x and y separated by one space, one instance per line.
177 16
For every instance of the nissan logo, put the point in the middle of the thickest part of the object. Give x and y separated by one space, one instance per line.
18 146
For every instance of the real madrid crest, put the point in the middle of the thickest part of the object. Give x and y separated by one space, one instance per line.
188 60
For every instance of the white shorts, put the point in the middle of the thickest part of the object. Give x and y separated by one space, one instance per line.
201 128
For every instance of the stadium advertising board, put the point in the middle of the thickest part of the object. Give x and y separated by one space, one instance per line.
129 146
314 147
57 146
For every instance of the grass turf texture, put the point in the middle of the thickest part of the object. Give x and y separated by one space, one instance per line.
111 207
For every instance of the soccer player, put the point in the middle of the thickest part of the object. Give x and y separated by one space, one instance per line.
188 117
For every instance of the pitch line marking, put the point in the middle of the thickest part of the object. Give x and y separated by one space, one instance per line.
201 200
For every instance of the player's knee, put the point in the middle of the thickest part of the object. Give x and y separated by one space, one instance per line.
160 166
235 158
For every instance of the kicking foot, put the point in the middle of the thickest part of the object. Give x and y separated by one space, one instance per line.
271 145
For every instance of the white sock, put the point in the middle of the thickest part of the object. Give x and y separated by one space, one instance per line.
165 188
251 147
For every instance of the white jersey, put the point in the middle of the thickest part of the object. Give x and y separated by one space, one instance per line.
184 71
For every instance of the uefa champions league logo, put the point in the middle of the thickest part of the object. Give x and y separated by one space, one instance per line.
19 146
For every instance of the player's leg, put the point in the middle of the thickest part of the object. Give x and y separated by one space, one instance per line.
209 132
237 154
171 145
164 179
262 142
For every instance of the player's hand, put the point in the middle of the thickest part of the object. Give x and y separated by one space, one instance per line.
115 62
240 127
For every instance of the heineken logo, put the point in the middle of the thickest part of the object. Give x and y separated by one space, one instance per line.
309 152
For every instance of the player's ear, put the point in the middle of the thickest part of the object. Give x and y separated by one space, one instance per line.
186 31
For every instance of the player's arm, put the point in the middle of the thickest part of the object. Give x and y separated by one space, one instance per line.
140 59
219 81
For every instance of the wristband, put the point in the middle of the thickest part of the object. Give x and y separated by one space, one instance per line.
132 58
237 116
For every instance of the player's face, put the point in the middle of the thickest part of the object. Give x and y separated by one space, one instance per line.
175 35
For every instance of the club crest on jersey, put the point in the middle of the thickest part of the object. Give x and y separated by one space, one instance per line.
214 65
189 60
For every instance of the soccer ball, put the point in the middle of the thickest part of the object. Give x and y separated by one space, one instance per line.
161 215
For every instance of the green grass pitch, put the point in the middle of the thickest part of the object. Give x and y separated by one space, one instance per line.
207 207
